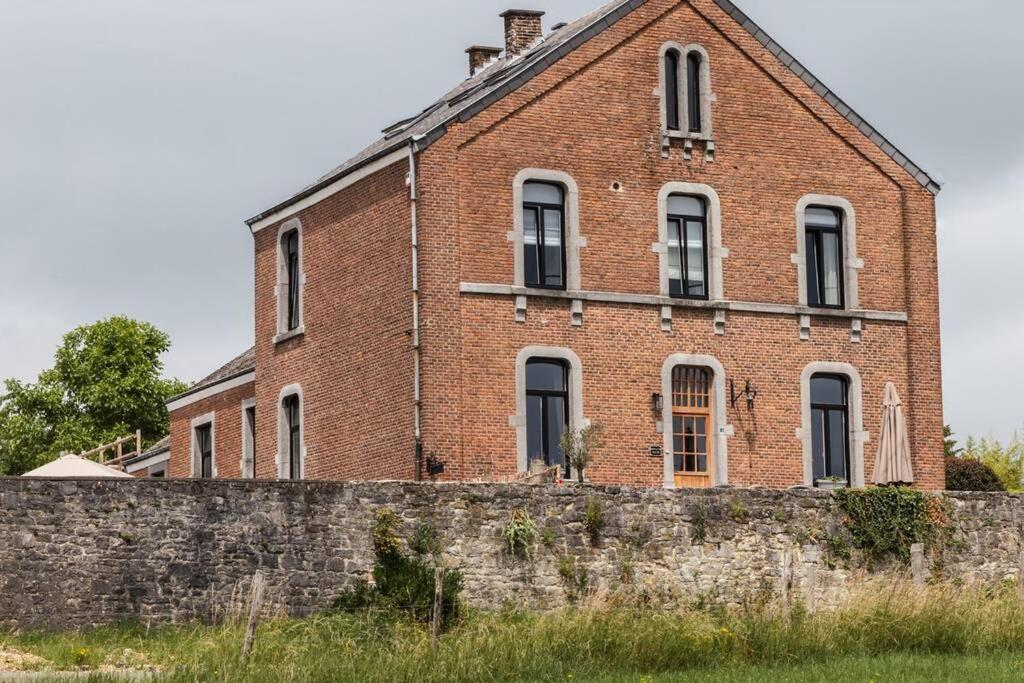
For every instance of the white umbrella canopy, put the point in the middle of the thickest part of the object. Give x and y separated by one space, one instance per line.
75 467
893 464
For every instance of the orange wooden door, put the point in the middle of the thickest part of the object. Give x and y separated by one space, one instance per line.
692 428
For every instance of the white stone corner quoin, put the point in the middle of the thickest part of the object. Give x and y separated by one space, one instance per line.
574 242
857 436
518 421
720 416
852 264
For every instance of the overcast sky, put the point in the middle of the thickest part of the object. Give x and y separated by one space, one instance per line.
137 135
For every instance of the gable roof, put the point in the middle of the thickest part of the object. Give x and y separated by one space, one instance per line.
504 75
240 365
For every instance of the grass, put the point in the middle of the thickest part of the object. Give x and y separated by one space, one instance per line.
935 634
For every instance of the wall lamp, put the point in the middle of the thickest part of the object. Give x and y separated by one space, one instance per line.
657 403
749 392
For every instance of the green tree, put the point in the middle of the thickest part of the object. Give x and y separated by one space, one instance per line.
1007 461
952 449
106 382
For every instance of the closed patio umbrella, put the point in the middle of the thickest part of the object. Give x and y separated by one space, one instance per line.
892 466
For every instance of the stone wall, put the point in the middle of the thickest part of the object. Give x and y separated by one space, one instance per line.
78 553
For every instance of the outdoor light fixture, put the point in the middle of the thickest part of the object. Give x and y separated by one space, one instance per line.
749 392
657 403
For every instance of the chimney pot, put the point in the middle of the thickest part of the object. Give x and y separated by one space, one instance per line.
480 56
522 30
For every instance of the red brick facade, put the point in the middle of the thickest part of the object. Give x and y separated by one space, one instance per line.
595 115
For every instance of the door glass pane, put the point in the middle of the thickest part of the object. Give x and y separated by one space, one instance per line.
830 267
695 259
542 193
531 262
675 261
811 254
818 448
552 247
555 427
677 441
534 429
837 444
690 440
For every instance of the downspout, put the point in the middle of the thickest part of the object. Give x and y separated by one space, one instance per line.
417 407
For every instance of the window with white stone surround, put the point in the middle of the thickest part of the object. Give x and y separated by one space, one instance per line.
826 257
291 281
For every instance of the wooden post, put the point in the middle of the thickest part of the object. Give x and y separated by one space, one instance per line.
1020 577
138 442
917 567
786 577
438 615
255 604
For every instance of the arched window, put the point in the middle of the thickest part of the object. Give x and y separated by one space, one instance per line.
293 421
692 428
544 235
823 233
693 92
291 437
290 250
830 429
547 410
672 89
687 247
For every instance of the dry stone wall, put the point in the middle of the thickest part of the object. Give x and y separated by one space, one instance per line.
81 553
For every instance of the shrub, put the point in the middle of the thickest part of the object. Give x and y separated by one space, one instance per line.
887 521
579 447
520 532
968 474
402 585
593 519
1006 460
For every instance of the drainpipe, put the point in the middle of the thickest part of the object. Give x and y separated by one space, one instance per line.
417 434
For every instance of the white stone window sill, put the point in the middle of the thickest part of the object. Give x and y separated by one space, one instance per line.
291 334
685 135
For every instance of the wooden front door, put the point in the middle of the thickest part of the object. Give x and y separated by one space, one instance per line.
692 427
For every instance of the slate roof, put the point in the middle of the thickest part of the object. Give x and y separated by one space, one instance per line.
504 76
240 365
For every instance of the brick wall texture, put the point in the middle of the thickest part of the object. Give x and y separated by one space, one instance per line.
595 116
160 551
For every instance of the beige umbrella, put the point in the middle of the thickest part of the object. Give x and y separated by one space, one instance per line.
892 466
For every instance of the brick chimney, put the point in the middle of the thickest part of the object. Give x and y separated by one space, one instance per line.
480 56
522 30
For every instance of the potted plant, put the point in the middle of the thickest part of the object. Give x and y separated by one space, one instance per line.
832 483
579 447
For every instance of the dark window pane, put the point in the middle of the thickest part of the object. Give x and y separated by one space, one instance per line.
687 206
534 428
545 375
555 419
672 90
675 259
542 193
822 217
694 258
831 275
818 446
826 390
531 246
813 288
693 94
553 247
837 444
290 245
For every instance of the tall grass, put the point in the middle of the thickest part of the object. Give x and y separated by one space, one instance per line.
605 640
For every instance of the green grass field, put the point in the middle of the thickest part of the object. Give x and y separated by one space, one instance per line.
903 635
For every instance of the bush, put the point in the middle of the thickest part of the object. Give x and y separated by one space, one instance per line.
885 522
402 585
968 474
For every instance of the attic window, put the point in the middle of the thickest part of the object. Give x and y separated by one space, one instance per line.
686 91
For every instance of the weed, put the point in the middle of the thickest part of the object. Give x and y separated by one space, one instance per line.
520 533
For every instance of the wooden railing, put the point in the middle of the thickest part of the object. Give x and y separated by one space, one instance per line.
116 450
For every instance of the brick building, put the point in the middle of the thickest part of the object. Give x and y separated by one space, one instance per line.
653 218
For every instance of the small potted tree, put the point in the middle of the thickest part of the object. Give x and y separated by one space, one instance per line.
580 446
